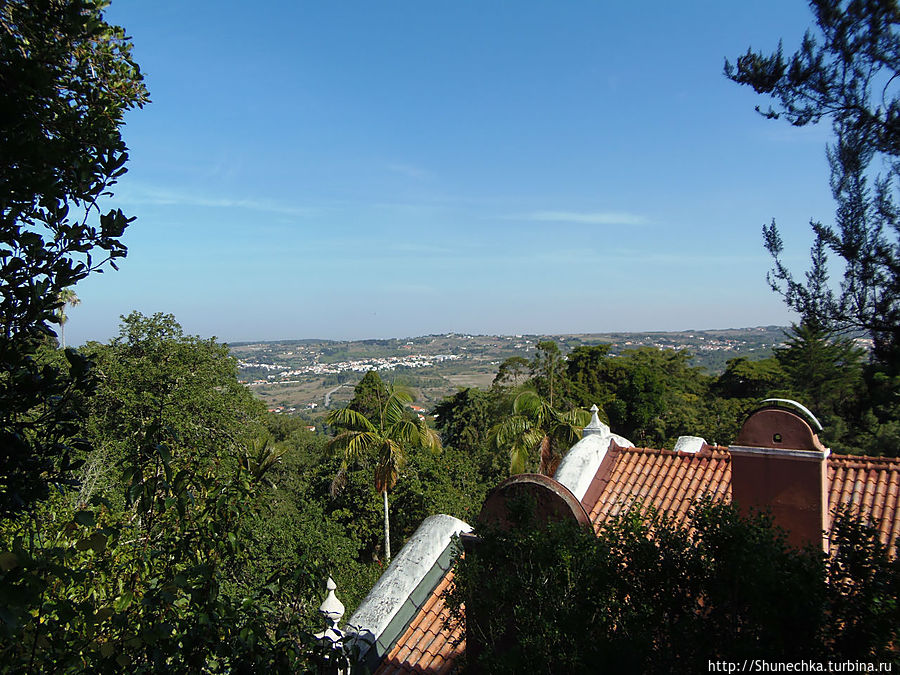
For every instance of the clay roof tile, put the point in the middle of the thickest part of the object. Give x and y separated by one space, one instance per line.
426 646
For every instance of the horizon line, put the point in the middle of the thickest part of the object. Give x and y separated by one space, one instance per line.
523 335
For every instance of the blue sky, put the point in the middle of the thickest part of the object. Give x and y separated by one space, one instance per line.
358 169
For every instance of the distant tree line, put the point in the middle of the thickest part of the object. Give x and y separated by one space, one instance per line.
652 396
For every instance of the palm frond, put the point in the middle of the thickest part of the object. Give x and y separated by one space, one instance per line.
405 431
395 406
346 418
520 436
429 438
266 455
518 458
567 426
566 435
384 440
579 417
528 404
533 437
354 445
508 430
406 394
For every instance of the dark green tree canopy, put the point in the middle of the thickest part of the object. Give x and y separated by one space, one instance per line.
750 378
369 395
464 419
845 71
510 371
185 385
586 367
826 372
66 80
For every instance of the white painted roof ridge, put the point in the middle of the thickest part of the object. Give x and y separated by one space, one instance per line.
406 571
581 463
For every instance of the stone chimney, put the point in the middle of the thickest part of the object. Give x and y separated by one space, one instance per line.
778 465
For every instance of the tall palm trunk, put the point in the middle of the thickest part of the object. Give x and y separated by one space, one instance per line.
549 459
387 528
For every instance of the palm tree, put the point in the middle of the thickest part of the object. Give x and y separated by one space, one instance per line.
67 297
535 425
383 440
262 455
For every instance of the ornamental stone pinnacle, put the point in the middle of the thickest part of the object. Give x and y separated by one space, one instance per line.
595 426
332 608
332 637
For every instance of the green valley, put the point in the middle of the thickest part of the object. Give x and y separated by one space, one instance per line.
296 376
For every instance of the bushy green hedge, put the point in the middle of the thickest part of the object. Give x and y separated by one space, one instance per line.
648 595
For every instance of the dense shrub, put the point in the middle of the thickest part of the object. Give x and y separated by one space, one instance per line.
648 595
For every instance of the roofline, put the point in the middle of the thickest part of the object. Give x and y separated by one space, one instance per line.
395 598
863 461
809 455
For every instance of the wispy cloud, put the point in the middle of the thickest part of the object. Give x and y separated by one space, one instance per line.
587 217
156 196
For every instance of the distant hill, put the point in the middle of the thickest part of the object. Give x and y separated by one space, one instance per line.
298 375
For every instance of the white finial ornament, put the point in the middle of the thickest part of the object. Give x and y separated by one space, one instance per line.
595 426
332 608
333 611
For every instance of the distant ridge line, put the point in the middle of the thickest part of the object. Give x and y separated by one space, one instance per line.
284 341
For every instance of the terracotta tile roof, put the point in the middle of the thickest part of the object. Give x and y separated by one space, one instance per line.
670 481
426 646
667 480
870 485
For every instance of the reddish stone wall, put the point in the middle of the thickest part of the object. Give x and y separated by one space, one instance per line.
791 489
